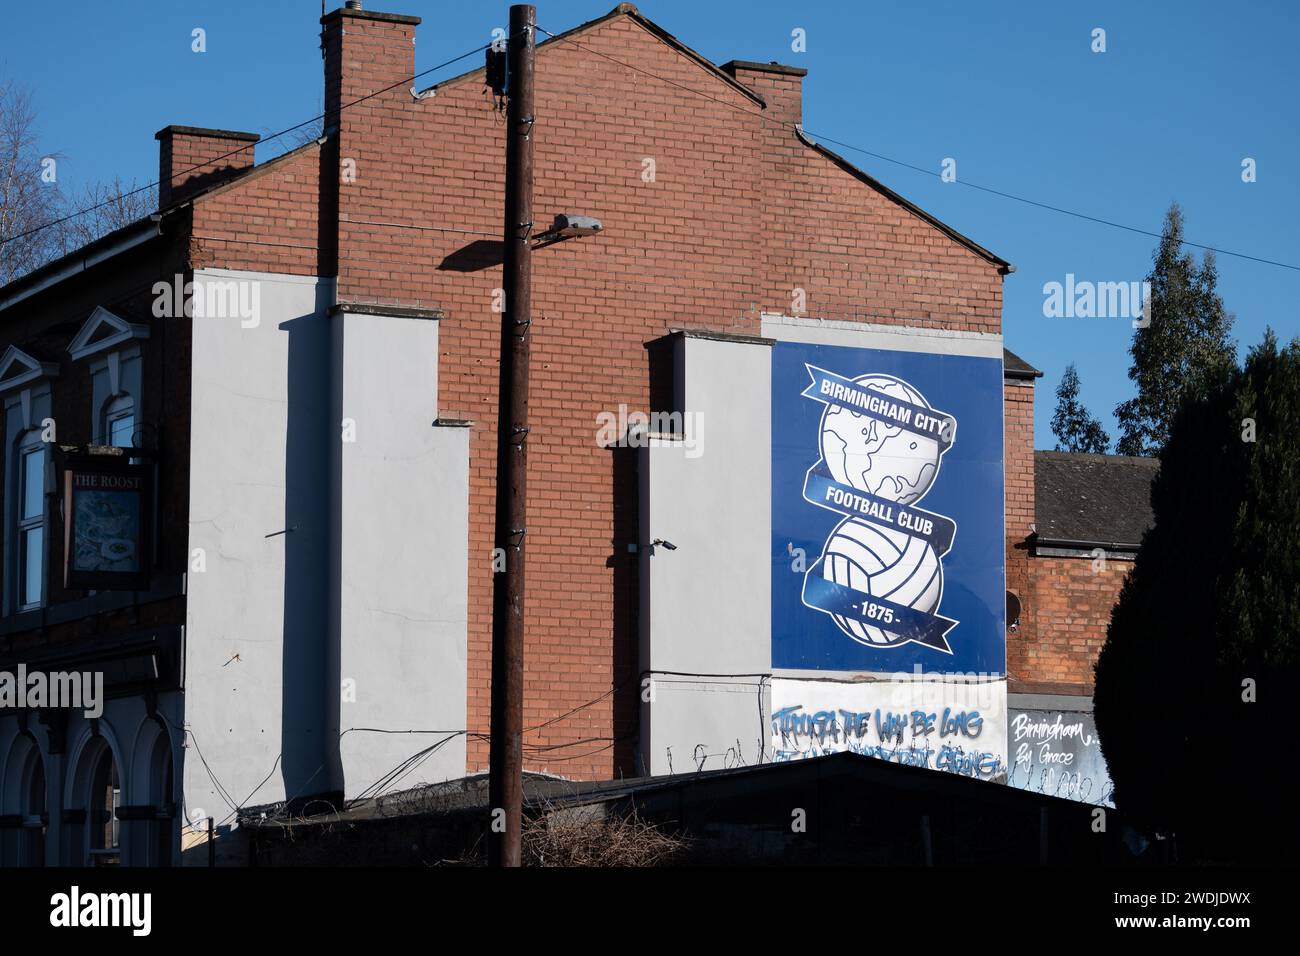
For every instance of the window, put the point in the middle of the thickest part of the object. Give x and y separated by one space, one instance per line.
30 536
118 427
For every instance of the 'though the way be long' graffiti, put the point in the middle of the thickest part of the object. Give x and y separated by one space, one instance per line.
955 738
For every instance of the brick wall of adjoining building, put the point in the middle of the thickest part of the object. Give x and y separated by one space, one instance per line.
44 324
267 221
1018 444
1072 598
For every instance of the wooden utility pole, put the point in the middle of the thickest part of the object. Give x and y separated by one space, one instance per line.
505 764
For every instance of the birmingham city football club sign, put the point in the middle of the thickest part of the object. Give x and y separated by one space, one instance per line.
887 517
880 576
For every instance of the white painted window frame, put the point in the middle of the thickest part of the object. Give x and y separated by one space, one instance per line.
116 408
25 406
29 443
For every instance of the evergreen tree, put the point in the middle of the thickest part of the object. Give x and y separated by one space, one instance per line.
1196 683
1072 423
1185 338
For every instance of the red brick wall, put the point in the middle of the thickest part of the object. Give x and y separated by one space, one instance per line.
267 222
1072 598
189 160
1066 605
1018 442
739 214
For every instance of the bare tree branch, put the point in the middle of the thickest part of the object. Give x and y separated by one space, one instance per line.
39 221
28 200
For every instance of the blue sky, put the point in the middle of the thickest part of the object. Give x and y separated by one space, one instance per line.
1012 91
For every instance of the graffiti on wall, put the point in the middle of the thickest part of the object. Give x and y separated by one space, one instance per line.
1056 752
940 725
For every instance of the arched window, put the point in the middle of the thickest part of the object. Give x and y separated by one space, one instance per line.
162 786
32 848
101 811
22 800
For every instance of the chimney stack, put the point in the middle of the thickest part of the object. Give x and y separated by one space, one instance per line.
369 65
191 158
781 87
365 51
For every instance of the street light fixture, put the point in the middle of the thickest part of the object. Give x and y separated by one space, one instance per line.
567 226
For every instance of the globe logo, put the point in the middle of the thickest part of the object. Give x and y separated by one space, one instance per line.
882 563
877 457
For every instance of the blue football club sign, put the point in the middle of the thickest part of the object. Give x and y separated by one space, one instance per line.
887 511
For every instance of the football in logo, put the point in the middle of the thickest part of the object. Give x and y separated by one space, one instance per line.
882 563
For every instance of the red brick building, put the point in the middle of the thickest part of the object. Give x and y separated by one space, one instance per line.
360 272
1092 511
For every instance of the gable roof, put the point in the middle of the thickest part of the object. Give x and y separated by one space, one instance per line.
142 230
1003 265
102 331
630 11
1093 500
18 368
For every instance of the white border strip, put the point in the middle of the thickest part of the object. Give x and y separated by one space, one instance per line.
813 331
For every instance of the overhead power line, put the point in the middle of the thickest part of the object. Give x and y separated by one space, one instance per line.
912 166
740 109
241 149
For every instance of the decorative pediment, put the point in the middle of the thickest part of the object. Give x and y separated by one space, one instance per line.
103 331
17 368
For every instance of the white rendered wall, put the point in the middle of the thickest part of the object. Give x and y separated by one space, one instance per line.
257 584
706 605
333 588
403 503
